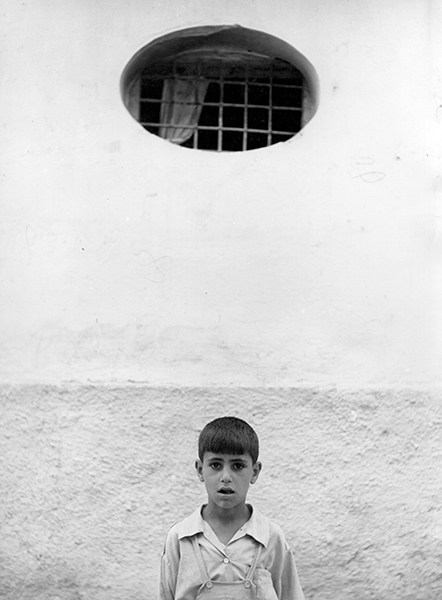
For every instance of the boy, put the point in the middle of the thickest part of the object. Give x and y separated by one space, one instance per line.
227 550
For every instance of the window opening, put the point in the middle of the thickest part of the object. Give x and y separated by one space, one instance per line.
220 98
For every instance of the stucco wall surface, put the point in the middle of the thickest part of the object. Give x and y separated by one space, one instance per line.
92 477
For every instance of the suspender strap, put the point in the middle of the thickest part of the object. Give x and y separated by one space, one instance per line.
199 558
251 572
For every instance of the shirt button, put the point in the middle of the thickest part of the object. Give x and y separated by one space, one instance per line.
209 584
226 560
247 584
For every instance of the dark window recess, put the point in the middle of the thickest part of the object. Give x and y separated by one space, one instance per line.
220 104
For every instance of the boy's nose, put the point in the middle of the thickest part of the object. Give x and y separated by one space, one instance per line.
225 476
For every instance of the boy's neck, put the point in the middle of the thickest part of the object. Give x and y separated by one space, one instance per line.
235 516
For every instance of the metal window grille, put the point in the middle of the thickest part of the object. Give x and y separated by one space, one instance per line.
248 103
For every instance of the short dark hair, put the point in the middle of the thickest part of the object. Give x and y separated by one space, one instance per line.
228 435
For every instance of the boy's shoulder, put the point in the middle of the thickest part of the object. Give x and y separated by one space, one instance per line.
274 528
188 526
268 528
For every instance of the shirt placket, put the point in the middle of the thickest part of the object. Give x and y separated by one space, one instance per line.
227 560
225 554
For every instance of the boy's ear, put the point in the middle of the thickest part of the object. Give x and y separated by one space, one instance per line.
256 471
199 469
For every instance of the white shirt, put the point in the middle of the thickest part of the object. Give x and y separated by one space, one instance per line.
276 576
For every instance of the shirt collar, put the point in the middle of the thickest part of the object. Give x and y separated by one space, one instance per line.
257 526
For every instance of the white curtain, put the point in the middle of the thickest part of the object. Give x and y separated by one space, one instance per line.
181 107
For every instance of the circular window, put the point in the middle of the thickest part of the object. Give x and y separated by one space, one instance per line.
224 89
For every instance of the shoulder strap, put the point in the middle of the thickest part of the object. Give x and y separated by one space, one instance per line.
200 560
257 556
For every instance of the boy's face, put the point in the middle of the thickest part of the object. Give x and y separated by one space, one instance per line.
227 477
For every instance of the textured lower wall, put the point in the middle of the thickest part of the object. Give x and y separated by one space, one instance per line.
92 477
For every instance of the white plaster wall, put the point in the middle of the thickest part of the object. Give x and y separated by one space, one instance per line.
304 278
125 257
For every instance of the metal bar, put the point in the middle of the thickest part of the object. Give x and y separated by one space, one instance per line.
290 86
209 128
269 133
246 111
220 113
263 106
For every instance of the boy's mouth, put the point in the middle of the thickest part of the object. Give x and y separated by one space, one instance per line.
226 491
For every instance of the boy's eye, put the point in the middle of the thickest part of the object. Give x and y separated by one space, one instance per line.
215 465
238 466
